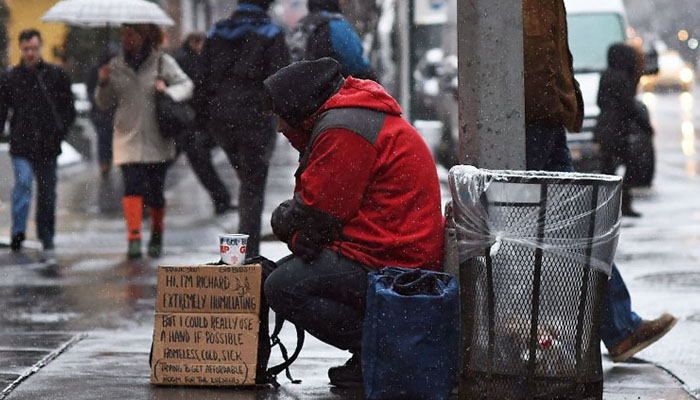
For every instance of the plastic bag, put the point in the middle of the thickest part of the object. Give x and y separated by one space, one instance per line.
570 216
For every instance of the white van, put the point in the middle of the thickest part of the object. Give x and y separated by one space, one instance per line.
593 25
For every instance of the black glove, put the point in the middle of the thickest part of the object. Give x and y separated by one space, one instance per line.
307 245
283 224
292 216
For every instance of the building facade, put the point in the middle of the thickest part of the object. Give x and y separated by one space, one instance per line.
194 15
24 14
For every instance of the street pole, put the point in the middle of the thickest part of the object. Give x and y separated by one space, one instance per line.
491 92
404 24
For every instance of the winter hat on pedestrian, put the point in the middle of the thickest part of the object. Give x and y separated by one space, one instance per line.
623 57
260 3
324 5
298 90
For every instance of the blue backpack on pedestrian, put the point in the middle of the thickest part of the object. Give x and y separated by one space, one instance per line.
410 340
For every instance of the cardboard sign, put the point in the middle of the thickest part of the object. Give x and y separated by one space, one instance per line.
209 288
206 325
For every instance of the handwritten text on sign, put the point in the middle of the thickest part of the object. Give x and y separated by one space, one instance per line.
215 338
208 289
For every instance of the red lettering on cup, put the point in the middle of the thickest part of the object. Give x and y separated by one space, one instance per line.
243 249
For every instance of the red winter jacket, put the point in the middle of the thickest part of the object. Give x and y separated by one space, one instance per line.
369 168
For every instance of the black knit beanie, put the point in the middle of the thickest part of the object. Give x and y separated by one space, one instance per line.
324 5
300 89
260 3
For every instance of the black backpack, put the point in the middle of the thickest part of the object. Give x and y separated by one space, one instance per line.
311 39
267 341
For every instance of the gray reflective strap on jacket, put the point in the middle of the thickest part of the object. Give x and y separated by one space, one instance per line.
362 121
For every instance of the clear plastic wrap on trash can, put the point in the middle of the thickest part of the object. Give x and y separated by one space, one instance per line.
568 215
535 251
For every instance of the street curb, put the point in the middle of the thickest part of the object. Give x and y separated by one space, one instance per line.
680 381
41 364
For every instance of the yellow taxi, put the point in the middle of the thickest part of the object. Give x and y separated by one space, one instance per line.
674 73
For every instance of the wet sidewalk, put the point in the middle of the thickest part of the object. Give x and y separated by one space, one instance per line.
112 362
83 331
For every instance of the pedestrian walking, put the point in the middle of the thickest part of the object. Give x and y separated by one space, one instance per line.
129 82
324 32
239 53
41 101
621 116
553 103
196 142
102 121
366 196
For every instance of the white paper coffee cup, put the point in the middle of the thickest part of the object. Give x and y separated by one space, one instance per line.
232 247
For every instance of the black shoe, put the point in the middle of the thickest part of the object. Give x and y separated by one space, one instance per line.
223 208
348 375
155 245
630 213
16 243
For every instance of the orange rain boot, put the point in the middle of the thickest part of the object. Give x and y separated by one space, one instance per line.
133 213
155 244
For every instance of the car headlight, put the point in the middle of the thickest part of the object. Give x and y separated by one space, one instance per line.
686 75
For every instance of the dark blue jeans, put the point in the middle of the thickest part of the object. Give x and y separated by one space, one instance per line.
45 173
326 297
546 150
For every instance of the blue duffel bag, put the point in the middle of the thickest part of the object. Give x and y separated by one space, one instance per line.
410 338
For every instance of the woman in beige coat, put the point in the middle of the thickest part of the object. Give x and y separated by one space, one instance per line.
130 82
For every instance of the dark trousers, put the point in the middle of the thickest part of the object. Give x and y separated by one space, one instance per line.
103 121
610 160
45 173
197 146
326 297
546 148
147 181
248 149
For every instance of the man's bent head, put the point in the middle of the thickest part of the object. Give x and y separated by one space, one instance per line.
296 92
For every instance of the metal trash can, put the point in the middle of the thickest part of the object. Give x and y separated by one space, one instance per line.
535 253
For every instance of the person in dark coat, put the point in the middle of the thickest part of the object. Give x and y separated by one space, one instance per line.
40 97
197 144
102 120
366 196
620 115
324 32
239 53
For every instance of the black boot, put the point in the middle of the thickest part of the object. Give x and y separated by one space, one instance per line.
627 210
348 375
16 243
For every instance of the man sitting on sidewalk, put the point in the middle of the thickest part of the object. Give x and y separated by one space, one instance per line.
367 196
553 103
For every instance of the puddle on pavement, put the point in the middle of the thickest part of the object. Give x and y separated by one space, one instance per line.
44 318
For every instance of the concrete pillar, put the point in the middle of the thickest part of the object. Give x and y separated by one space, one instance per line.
491 93
403 11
